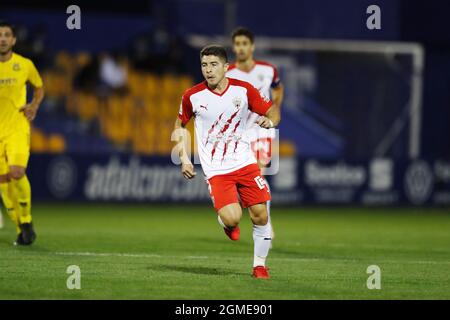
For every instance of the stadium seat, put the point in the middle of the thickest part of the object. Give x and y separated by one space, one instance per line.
64 61
56 143
287 148
151 85
185 82
38 142
150 106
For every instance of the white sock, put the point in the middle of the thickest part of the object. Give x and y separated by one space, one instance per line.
262 240
268 203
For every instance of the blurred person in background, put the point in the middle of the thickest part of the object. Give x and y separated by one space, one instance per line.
263 76
86 77
113 75
15 117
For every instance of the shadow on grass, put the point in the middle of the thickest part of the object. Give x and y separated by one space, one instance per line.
196 270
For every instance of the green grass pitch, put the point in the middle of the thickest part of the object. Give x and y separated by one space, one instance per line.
180 252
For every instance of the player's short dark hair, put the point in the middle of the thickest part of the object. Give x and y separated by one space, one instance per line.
241 31
6 24
214 50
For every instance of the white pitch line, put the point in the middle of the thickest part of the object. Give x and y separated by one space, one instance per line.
145 255
98 254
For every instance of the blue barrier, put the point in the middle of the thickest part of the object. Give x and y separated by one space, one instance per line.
116 178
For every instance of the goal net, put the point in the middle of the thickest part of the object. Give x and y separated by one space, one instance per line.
346 99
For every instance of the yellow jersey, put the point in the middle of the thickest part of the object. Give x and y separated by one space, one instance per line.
14 76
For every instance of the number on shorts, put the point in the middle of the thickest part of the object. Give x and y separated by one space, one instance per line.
260 182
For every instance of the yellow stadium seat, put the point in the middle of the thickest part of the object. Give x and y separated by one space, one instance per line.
82 59
144 117
169 85
167 110
38 142
87 106
287 148
56 143
65 61
186 82
151 85
57 84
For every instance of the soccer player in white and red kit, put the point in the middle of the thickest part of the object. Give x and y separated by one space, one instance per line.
263 76
220 107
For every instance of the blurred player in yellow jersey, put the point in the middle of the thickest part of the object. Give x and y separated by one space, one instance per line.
15 117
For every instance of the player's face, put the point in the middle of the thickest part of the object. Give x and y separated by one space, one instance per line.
243 48
7 40
213 69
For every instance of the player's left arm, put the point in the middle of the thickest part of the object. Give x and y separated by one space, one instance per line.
271 119
270 114
273 116
30 109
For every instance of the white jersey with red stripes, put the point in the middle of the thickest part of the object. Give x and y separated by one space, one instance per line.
264 77
221 122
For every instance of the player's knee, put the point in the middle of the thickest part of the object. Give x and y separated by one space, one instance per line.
230 215
259 215
231 223
230 220
261 220
16 173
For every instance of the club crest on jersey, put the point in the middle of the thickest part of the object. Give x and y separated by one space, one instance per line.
260 77
16 67
237 102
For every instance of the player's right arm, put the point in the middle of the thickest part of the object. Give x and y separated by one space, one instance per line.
271 119
270 113
181 133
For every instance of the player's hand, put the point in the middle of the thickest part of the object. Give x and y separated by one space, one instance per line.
29 111
187 169
264 122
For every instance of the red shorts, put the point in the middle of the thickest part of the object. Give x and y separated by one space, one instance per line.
246 182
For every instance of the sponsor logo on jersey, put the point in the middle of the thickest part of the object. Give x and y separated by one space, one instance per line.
237 102
8 82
